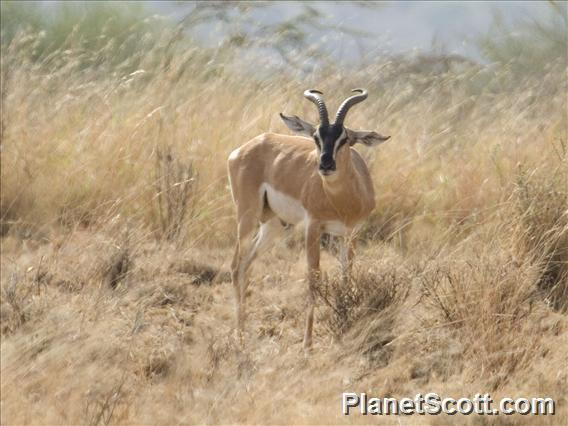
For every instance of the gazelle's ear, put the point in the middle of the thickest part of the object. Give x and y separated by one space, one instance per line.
366 137
296 124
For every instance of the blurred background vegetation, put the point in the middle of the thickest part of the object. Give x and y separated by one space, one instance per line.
237 29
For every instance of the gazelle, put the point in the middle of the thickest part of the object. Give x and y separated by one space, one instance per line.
278 180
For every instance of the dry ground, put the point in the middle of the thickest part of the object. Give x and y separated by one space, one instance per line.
157 345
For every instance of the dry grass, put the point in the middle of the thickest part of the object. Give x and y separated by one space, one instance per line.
116 302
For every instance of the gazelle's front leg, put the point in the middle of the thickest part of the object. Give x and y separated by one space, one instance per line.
313 234
347 254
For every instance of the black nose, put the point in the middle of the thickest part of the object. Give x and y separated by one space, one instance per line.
327 166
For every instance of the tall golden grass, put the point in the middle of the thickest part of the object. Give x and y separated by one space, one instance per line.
117 226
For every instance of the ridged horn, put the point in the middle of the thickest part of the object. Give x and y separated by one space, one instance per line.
348 103
315 97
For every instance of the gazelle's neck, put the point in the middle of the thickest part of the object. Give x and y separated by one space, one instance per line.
342 190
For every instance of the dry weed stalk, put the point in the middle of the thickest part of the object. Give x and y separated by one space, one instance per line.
100 409
541 227
488 302
366 293
176 184
18 300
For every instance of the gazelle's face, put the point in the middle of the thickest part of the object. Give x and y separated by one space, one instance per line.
330 141
333 140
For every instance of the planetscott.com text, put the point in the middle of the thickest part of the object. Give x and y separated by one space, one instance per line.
432 403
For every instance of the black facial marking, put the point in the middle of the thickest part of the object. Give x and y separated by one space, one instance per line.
328 135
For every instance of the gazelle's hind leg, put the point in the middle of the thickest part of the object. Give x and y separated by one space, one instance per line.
246 251
244 236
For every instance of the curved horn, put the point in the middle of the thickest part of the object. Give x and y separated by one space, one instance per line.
348 103
315 97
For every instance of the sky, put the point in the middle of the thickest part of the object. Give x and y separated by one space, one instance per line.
396 26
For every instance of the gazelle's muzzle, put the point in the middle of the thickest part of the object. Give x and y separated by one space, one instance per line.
327 164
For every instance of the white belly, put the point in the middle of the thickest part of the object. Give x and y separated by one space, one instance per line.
286 208
291 211
337 228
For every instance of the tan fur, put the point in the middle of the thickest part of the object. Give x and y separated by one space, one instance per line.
289 164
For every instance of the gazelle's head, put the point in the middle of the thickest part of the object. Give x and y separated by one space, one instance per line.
333 139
